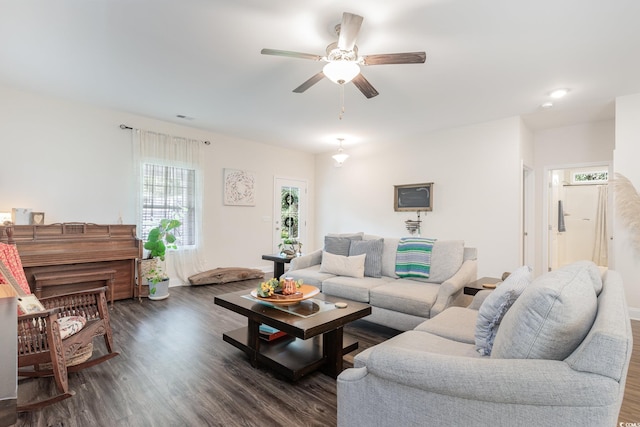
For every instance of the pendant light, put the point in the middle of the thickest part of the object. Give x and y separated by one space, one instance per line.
340 156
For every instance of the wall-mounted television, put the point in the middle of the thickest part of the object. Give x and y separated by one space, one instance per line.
413 197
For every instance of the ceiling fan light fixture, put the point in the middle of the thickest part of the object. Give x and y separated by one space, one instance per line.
559 93
341 71
340 156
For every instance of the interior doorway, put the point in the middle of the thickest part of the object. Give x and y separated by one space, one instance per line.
577 217
289 211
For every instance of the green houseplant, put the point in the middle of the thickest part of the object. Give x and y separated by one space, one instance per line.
160 239
290 247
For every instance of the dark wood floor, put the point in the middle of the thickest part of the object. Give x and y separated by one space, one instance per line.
175 370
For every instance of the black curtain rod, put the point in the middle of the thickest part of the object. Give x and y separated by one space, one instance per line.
123 126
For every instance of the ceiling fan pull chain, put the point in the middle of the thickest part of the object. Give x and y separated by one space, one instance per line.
341 102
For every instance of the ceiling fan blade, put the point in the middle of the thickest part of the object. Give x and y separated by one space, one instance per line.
395 58
306 85
291 54
349 29
364 86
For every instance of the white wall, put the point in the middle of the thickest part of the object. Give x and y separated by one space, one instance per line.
73 162
626 159
566 146
476 197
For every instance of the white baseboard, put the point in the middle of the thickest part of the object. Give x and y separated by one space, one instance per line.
634 313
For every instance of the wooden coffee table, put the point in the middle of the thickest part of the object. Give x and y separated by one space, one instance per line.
315 333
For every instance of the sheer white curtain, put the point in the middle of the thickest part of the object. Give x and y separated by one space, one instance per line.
167 150
600 248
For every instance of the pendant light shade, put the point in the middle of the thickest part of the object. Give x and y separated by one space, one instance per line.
340 156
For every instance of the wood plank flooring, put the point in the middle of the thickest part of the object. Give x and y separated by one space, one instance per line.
175 370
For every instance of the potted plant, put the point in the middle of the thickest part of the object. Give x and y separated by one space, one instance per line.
160 239
290 248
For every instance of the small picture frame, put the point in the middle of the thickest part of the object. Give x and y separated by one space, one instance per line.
37 218
413 197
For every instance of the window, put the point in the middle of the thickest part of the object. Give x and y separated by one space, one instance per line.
590 177
169 192
289 213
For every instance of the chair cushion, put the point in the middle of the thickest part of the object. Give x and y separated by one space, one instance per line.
10 257
552 316
351 266
373 251
71 325
495 306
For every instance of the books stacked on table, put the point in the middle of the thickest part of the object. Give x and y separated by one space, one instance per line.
269 333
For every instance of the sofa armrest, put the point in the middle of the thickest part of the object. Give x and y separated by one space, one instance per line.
306 261
451 288
501 381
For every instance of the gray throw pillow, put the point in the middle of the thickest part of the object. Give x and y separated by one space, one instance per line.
552 316
339 245
495 306
373 251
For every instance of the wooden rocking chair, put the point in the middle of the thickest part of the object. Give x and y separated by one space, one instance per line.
40 343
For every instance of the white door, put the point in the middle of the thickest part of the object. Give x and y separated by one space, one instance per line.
289 211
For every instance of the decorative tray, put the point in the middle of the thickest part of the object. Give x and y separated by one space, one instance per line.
304 292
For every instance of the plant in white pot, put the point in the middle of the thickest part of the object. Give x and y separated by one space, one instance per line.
160 239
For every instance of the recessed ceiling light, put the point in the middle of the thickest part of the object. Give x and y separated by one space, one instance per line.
559 93
547 105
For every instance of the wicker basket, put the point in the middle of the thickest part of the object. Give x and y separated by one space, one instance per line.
144 266
82 355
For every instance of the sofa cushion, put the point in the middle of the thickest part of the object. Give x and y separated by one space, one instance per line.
310 275
454 323
389 256
339 245
552 316
420 341
354 236
351 266
446 259
405 296
352 288
373 251
495 306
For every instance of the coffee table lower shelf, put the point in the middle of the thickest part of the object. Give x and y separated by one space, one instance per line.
289 356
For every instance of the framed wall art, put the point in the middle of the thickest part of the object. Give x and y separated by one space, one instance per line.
413 197
239 188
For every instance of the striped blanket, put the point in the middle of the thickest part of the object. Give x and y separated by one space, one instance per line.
413 258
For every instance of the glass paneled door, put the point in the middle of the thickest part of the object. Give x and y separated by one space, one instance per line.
289 217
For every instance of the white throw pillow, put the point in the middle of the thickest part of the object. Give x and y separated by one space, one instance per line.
351 266
496 305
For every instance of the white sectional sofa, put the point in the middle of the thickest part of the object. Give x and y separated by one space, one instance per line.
399 303
560 356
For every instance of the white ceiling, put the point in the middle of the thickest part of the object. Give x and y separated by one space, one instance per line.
486 59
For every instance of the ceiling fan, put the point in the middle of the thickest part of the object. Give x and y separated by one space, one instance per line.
343 61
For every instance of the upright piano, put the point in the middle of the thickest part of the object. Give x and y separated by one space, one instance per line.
78 247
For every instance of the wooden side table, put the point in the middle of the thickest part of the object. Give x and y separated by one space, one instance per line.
475 287
278 263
